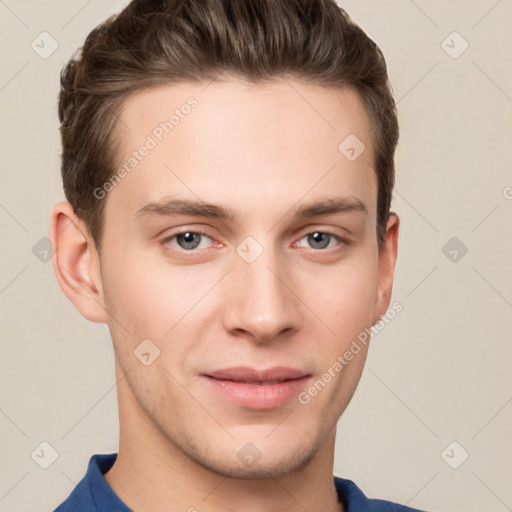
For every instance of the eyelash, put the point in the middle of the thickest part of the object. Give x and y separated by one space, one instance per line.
190 253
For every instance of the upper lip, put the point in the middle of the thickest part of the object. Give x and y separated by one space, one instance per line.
248 374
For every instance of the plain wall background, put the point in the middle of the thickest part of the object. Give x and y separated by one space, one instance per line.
438 373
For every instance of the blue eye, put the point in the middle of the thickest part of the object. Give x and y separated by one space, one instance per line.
321 239
187 240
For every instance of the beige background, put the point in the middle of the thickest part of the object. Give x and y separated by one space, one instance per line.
438 373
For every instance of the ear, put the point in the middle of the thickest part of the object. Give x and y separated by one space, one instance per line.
387 260
76 263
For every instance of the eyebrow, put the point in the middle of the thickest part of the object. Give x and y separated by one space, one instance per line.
170 207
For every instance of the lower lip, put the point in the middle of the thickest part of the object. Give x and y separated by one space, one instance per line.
257 396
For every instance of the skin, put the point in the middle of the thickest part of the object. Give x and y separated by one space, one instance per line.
263 151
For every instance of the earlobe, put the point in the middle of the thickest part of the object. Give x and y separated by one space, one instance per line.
76 263
387 261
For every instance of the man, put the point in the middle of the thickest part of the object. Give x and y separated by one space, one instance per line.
229 167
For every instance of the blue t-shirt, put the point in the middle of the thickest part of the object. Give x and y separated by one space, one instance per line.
94 494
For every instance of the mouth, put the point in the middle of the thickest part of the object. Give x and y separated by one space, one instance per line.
259 383
273 375
257 389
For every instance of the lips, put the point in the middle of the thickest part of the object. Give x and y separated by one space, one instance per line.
248 375
257 389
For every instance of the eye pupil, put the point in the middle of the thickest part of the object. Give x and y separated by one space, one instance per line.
316 238
188 239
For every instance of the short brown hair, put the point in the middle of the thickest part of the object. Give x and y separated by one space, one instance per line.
154 42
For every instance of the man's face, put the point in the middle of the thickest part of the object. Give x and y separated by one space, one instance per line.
263 289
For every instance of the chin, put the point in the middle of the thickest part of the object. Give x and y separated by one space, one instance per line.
250 463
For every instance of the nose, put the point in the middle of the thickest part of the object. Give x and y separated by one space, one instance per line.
260 301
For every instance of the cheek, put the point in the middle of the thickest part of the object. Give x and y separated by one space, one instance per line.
169 306
345 296
146 297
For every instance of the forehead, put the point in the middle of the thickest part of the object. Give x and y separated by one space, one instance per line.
243 144
262 109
